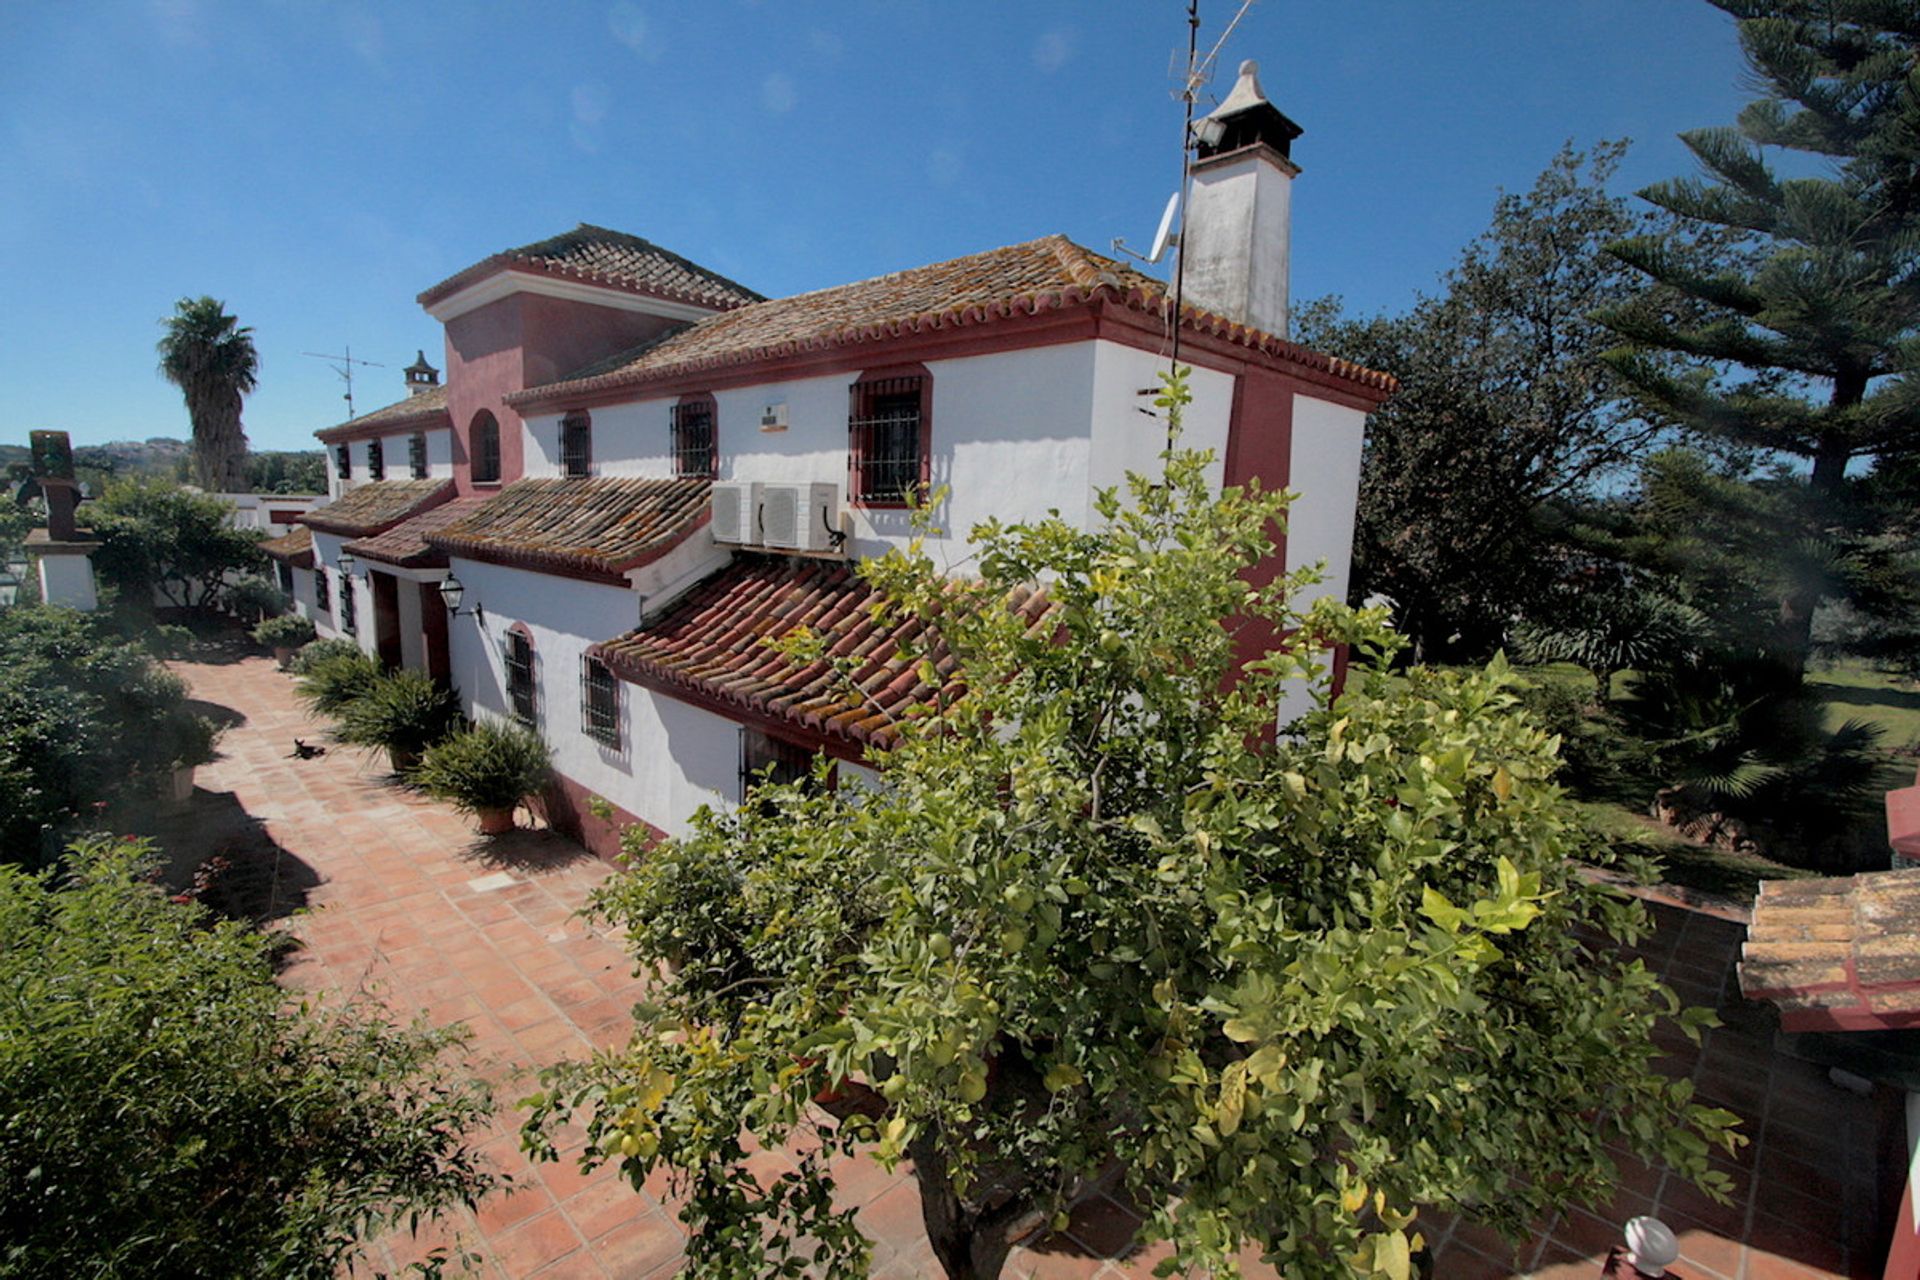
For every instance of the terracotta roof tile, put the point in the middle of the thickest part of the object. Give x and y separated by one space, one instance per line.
405 544
711 648
294 547
377 506
615 259
1051 272
601 525
1837 953
426 410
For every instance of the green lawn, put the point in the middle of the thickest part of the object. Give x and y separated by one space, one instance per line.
1856 691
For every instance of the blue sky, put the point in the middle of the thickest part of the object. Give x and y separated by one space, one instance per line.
316 165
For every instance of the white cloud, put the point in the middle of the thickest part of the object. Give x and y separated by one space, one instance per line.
1053 48
630 27
776 91
943 166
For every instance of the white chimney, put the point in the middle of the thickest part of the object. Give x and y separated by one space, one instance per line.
1234 245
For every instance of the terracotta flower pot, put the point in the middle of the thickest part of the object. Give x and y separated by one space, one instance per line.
495 822
283 656
403 762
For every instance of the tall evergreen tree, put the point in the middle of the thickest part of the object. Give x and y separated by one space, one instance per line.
210 356
1793 303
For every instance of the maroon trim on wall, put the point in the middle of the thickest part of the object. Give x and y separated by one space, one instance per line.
566 805
1260 447
433 626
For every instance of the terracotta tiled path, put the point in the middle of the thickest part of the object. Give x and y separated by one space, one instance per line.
406 903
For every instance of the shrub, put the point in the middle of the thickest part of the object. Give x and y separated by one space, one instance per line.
252 599
165 1110
157 536
288 631
490 766
404 713
84 714
311 655
187 741
331 684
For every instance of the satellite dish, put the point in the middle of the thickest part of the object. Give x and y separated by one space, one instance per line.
1164 236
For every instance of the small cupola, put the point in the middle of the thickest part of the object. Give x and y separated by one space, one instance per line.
1235 245
1245 119
421 376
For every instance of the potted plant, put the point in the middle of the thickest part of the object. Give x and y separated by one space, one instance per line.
402 714
283 635
253 599
186 742
486 771
335 679
312 655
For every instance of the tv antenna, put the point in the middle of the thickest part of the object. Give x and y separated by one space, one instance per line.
343 365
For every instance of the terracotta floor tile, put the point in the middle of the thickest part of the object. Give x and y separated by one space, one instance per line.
535 1243
641 1247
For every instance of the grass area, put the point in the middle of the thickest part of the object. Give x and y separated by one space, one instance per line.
1857 691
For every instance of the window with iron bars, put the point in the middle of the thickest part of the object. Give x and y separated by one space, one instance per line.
694 453
519 664
349 618
887 440
576 445
599 702
283 577
322 593
376 460
417 455
343 462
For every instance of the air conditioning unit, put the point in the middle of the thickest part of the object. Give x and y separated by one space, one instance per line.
774 417
799 517
733 514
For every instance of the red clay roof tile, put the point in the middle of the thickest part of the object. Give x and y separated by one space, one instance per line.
426 410
294 547
614 259
1837 954
377 506
599 525
405 544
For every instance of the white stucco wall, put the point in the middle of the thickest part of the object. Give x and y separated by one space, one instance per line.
1010 439
672 757
1235 239
67 581
1324 470
1125 439
326 559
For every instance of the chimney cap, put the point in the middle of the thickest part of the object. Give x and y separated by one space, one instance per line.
1246 117
420 364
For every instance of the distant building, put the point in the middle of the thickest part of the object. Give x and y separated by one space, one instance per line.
637 468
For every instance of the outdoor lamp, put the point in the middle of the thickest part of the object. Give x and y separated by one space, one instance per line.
9 586
452 592
1207 131
346 563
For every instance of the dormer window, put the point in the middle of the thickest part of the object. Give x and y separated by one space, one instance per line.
343 462
695 446
888 432
417 455
576 444
376 460
483 445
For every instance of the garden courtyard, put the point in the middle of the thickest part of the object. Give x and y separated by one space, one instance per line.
394 897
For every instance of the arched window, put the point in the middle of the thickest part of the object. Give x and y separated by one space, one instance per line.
483 446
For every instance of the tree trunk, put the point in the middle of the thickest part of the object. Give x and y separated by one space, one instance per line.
1793 630
971 1242
219 442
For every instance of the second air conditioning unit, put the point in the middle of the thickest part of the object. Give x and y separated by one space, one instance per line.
800 517
733 514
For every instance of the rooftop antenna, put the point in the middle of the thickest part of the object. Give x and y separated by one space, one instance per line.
343 365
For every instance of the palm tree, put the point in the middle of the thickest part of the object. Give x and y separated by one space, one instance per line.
209 355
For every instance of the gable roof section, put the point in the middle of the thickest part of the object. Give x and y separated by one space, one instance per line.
293 548
596 526
1051 273
406 545
611 259
421 412
1837 954
377 506
711 649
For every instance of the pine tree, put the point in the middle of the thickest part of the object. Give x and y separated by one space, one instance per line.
1792 304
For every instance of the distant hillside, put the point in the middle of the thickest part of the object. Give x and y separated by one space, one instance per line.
272 471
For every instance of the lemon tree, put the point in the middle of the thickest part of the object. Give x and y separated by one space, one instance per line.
1101 921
